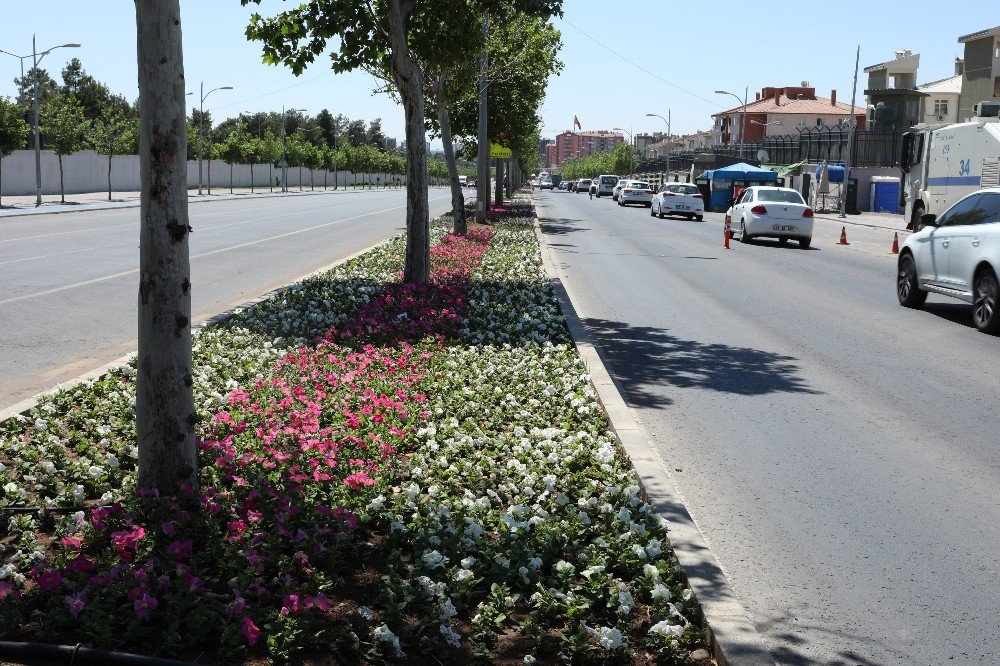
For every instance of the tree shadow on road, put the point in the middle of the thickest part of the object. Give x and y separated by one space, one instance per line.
649 359
560 226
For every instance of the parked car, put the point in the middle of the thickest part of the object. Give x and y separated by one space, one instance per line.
545 184
472 182
773 212
582 185
605 185
636 191
957 255
617 189
678 199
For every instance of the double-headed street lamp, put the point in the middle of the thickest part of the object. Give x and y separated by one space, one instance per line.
37 59
667 121
743 120
631 148
201 124
284 164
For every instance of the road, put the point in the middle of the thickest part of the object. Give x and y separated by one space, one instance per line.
68 282
840 453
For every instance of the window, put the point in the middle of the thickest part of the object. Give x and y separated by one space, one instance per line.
990 205
940 107
781 196
819 122
801 122
965 212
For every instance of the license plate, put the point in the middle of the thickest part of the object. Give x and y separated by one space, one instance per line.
783 227
681 207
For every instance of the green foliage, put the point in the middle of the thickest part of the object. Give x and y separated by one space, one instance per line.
64 124
614 161
114 133
13 130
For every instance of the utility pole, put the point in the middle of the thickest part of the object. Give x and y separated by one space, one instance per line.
483 176
850 138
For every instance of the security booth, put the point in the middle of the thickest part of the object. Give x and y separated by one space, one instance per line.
724 182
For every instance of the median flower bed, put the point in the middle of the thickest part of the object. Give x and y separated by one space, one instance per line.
389 472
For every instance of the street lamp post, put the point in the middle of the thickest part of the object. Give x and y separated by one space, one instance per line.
631 150
201 124
36 60
743 120
284 163
667 121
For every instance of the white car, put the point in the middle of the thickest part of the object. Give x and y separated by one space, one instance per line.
678 199
636 191
957 255
617 189
773 212
605 185
582 185
545 184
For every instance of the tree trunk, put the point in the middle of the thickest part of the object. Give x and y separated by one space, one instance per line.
312 179
62 191
499 184
325 174
457 198
210 171
251 178
300 178
270 179
164 404
409 82
230 178
109 175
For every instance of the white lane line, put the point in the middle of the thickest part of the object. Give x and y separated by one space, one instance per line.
54 254
113 276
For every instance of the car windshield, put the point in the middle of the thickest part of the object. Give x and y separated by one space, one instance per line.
682 189
783 196
608 180
638 185
585 182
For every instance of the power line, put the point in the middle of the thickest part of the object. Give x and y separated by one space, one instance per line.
635 64
273 92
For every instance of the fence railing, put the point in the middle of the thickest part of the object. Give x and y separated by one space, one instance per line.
872 148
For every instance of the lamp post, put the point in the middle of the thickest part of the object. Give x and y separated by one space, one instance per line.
201 124
284 164
631 150
743 120
850 137
36 59
667 121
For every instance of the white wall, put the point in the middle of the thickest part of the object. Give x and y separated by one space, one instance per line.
950 117
86 171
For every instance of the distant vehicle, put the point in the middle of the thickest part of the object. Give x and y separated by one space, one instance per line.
943 163
617 189
636 191
556 181
606 185
773 212
582 185
472 182
463 180
545 184
957 255
678 199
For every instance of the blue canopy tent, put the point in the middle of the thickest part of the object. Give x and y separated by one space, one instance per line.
722 181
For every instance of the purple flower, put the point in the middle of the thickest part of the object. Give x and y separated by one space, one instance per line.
143 605
75 603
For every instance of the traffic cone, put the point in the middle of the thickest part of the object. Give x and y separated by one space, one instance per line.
843 236
726 234
895 244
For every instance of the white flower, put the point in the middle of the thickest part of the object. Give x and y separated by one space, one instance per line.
365 613
433 559
564 567
624 515
377 503
446 609
463 575
625 602
112 461
687 594
383 634
667 630
467 562
654 548
49 467
41 425
95 471
590 571
535 563
451 636
529 660
650 571
660 592
107 498
609 638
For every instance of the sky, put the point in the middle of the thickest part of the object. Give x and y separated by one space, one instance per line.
621 60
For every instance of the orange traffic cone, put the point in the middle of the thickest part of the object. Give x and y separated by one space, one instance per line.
843 236
726 234
895 244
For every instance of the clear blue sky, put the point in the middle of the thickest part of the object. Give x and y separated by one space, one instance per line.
683 51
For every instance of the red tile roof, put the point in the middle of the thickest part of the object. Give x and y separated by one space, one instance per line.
820 105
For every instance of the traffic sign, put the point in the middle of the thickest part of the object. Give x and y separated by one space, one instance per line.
498 152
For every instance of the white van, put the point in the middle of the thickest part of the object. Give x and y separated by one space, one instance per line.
605 184
463 180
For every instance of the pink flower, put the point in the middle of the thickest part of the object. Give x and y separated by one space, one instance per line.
72 541
6 589
180 550
357 480
250 630
319 602
143 605
291 605
50 580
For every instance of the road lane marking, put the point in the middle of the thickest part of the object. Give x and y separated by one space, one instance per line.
56 290
54 254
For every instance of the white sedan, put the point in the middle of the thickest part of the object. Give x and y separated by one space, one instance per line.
773 212
678 199
957 255
636 191
617 189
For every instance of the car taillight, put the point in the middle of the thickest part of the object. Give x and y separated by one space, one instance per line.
697 196
758 210
626 191
808 212
668 194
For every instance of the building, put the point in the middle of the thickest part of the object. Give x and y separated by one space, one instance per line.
981 71
643 141
542 145
550 154
893 97
580 144
783 111
942 100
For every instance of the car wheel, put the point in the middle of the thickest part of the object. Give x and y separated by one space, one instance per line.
804 243
782 242
660 213
744 236
699 218
918 212
907 288
985 315
651 213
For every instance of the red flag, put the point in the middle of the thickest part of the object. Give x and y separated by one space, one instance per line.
576 122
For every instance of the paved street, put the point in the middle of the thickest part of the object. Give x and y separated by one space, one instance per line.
839 452
68 282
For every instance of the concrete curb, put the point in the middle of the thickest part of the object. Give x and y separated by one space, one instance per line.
733 637
192 199
24 406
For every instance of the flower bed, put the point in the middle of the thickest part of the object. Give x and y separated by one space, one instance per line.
388 472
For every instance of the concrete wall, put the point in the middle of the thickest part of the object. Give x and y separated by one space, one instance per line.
86 171
977 79
864 176
928 108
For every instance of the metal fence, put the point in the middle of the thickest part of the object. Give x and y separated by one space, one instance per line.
872 148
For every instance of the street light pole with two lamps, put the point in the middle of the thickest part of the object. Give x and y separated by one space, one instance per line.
743 120
667 121
284 164
631 148
36 60
201 124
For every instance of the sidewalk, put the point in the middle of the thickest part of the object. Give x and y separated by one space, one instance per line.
15 206
873 220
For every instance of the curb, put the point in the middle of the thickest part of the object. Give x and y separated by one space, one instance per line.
847 220
732 635
26 405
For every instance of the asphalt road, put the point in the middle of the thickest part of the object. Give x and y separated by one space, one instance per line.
68 282
841 454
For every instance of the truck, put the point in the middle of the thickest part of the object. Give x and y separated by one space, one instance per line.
943 163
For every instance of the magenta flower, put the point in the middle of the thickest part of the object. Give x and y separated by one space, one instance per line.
50 580
6 589
319 602
358 480
143 605
250 630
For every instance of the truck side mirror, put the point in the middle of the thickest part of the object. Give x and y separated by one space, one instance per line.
928 220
